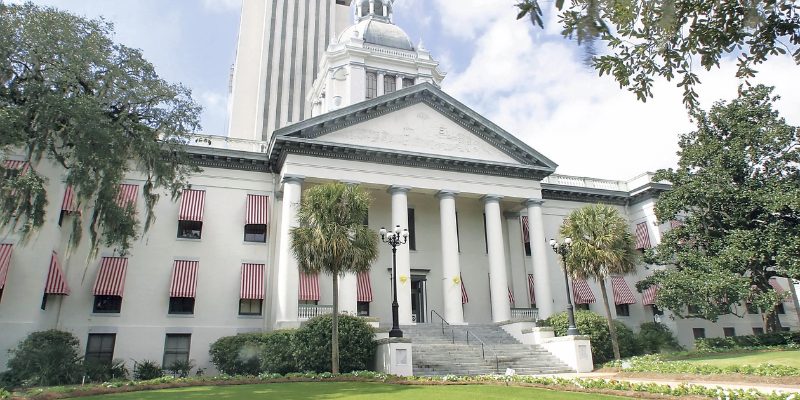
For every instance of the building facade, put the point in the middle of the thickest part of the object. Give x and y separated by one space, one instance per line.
479 203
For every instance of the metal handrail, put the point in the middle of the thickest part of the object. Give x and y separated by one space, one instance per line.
452 332
483 351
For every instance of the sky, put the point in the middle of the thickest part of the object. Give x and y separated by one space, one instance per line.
530 81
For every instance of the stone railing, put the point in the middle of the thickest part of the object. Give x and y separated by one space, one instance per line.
579 181
307 311
393 52
524 313
224 142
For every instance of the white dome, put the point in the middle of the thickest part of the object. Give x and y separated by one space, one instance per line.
378 32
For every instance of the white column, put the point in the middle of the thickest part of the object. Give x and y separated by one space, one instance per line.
541 273
348 285
381 88
398 82
400 217
501 309
451 270
288 275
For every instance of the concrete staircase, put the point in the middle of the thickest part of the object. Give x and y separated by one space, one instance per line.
437 354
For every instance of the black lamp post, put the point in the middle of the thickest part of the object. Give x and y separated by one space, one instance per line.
393 238
562 249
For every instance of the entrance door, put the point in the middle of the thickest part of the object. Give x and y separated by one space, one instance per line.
418 298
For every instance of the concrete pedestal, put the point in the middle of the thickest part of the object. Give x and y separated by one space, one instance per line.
393 356
575 351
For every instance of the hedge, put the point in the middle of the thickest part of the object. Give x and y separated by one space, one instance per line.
741 342
312 344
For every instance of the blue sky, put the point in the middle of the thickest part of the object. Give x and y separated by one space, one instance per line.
529 81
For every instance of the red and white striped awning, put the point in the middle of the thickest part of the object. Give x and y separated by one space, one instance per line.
582 292
309 287
510 296
531 291
56 282
192 205
364 291
649 295
184 279
111 277
252 286
775 285
526 236
16 164
464 296
5 263
256 211
622 292
69 204
642 236
127 195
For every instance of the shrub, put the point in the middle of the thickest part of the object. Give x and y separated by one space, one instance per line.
239 354
738 342
180 368
277 353
98 371
46 358
312 344
146 369
596 327
655 337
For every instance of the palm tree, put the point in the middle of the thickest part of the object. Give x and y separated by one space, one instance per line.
332 239
602 245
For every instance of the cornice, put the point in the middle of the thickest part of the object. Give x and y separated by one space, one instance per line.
591 195
212 157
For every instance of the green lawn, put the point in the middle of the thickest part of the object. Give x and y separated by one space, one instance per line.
352 391
790 358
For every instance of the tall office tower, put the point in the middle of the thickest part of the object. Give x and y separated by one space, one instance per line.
280 45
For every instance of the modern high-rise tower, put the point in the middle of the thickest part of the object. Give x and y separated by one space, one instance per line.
279 49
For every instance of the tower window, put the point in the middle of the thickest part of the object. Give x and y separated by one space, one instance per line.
408 82
389 84
372 85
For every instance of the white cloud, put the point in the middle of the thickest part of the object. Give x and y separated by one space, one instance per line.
223 5
467 18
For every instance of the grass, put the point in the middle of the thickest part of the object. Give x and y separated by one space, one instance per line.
352 391
789 358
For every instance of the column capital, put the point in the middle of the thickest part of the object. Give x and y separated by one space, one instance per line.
293 179
444 194
533 202
489 198
398 189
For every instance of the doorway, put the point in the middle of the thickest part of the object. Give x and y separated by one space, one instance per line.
418 298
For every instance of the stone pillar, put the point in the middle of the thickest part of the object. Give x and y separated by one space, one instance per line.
451 270
381 88
288 274
501 309
541 271
400 217
398 85
348 294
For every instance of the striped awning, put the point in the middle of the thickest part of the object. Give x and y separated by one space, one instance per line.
184 279
642 236
364 290
256 211
775 285
510 296
127 195
531 291
192 205
69 204
56 282
309 287
16 164
649 295
111 277
5 263
622 292
252 286
582 292
526 236
464 296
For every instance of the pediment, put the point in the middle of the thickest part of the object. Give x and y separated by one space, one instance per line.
419 129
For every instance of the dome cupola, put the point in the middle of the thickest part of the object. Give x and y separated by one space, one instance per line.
380 9
375 26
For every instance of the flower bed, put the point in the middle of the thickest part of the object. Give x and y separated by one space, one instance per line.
655 363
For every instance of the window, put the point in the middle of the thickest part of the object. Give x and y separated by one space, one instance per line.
623 310
758 331
100 347
780 309
584 307
372 85
528 249
107 304
176 348
699 333
190 229
408 82
255 233
308 302
751 309
412 236
44 302
785 329
729 332
363 309
389 84
250 306
181 305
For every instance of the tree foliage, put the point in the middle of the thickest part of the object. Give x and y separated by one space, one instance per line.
602 245
666 38
332 239
71 97
46 358
736 191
